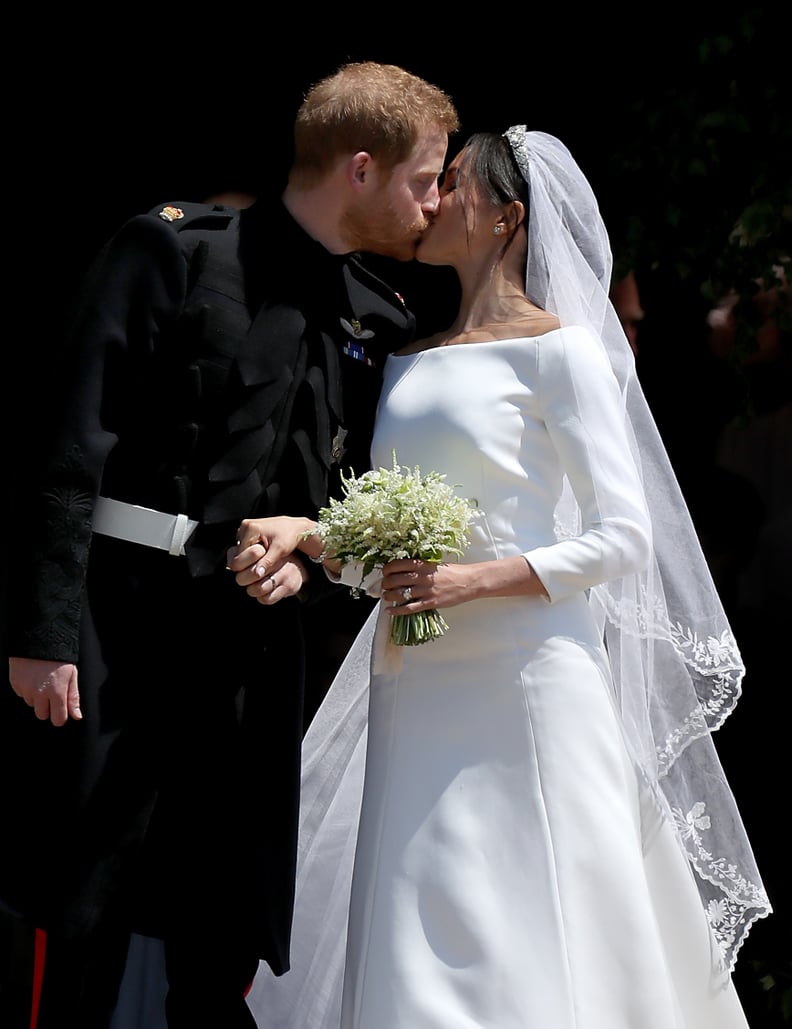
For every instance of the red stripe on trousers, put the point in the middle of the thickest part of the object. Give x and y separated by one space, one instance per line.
39 955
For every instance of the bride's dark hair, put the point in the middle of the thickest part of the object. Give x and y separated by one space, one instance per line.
489 161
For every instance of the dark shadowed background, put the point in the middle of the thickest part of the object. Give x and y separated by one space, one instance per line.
676 115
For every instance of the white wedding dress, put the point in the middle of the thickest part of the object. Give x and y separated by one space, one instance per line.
511 870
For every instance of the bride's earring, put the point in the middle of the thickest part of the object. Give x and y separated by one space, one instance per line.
497 230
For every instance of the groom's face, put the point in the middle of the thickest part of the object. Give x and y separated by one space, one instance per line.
392 214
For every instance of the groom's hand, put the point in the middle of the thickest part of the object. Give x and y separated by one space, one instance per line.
264 561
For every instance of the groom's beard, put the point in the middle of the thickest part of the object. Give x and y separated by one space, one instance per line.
382 231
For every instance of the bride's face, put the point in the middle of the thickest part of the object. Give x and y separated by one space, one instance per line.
462 229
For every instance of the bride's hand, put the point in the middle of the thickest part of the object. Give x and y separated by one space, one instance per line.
409 586
263 559
269 587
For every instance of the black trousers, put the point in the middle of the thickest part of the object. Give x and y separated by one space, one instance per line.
51 983
70 984
207 982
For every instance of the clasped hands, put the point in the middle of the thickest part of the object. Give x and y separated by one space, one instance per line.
267 562
266 559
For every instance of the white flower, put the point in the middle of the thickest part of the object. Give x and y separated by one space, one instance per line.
389 514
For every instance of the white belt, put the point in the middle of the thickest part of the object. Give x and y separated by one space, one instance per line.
142 525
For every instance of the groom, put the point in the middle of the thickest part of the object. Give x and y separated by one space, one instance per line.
220 364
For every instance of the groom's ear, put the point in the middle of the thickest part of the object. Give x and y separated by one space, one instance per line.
359 168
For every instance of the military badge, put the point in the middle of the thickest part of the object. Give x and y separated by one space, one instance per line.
356 329
337 448
356 351
171 214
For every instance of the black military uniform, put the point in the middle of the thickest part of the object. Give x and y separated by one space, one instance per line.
221 365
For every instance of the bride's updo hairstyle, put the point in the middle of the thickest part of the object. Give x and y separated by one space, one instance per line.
487 163
497 165
488 160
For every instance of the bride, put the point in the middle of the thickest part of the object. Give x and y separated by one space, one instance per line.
524 822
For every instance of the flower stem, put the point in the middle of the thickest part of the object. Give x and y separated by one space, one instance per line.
419 627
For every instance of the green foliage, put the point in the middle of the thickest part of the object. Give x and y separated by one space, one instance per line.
706 196
775 980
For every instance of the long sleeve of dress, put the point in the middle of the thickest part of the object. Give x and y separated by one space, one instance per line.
584 416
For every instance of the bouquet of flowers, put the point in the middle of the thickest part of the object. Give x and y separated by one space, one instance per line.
390 514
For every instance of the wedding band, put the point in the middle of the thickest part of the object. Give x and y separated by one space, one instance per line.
274 584
406 592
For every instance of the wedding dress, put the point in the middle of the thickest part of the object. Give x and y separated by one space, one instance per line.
512 865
